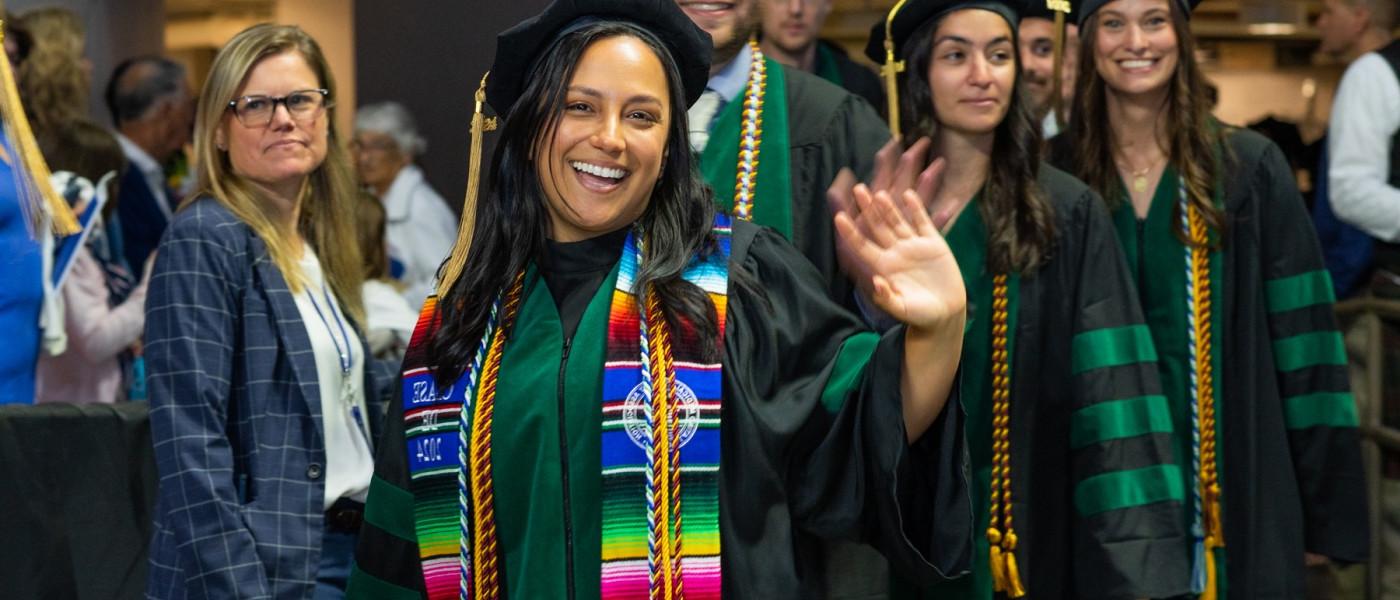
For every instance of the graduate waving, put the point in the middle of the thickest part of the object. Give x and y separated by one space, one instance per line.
1075 490
620 394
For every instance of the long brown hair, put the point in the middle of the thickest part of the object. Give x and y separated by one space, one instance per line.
51 79
1020 221
1195 145
327 220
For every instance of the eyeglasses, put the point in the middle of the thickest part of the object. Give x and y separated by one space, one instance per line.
302 105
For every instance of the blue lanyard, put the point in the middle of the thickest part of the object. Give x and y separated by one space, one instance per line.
346 354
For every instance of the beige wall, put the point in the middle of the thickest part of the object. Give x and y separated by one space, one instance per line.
332 23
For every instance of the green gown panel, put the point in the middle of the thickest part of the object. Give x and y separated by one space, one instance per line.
812 437
1291 460
1095 488
828 128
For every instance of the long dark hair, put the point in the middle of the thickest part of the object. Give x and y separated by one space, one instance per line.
1020 221
512 222
1195 144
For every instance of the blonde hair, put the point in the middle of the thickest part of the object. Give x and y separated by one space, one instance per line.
51 79
327 200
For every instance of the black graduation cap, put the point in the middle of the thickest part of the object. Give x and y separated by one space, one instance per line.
518 48
887 38
906 17
1090 7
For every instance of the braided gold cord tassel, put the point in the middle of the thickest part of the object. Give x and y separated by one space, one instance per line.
1006 575
665 587
484 543
1210 478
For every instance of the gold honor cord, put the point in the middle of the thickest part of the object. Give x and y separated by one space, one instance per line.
458 259
1061 8
37 197
891 69
1001 533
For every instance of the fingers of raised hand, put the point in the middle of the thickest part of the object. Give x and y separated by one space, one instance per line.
886 161
914 211
839 196
911 162
886 226
857 246
930 180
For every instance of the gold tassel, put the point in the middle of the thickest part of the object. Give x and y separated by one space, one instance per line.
1014 588
998 564
1215 538
37 196
1210 592
458 259
1061 8
891 69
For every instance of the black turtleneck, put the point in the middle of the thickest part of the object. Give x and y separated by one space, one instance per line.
574 270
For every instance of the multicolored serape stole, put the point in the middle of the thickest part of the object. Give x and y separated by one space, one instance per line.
661 475
1206 527
454 507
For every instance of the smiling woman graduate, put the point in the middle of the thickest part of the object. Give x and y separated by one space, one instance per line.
606 403
1238 300
1074 487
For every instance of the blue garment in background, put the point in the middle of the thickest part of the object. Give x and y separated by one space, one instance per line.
21 296
1347 250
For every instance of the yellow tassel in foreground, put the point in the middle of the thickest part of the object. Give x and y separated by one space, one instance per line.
37 197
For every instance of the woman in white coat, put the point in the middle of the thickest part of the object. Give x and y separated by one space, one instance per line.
421 227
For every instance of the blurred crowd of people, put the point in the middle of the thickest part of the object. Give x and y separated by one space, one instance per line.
1131 281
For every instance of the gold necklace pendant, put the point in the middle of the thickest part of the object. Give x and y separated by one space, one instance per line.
1140 183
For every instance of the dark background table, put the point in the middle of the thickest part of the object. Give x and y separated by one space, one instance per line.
77 493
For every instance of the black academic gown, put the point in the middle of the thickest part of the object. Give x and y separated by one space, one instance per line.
794 462
836 66
1289 487
1091 458
829 128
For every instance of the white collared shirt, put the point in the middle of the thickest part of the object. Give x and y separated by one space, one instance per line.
150 169
349 458
1365 118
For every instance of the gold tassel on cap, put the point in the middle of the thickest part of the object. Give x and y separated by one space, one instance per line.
1061 8
480 125
37 197
891 69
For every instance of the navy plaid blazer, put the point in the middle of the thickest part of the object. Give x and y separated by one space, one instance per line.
235 417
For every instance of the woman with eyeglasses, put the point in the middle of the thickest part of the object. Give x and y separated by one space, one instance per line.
260 383
1238 301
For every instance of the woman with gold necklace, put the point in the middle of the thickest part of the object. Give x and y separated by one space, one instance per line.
618 394
1240 306
1074 487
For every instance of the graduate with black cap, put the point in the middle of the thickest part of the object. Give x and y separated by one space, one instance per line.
617 393
770 138
1047 35
1238 300
1075 491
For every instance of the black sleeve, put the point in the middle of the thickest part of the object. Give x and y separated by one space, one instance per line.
1310 363
387 566
819 399
1121 429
